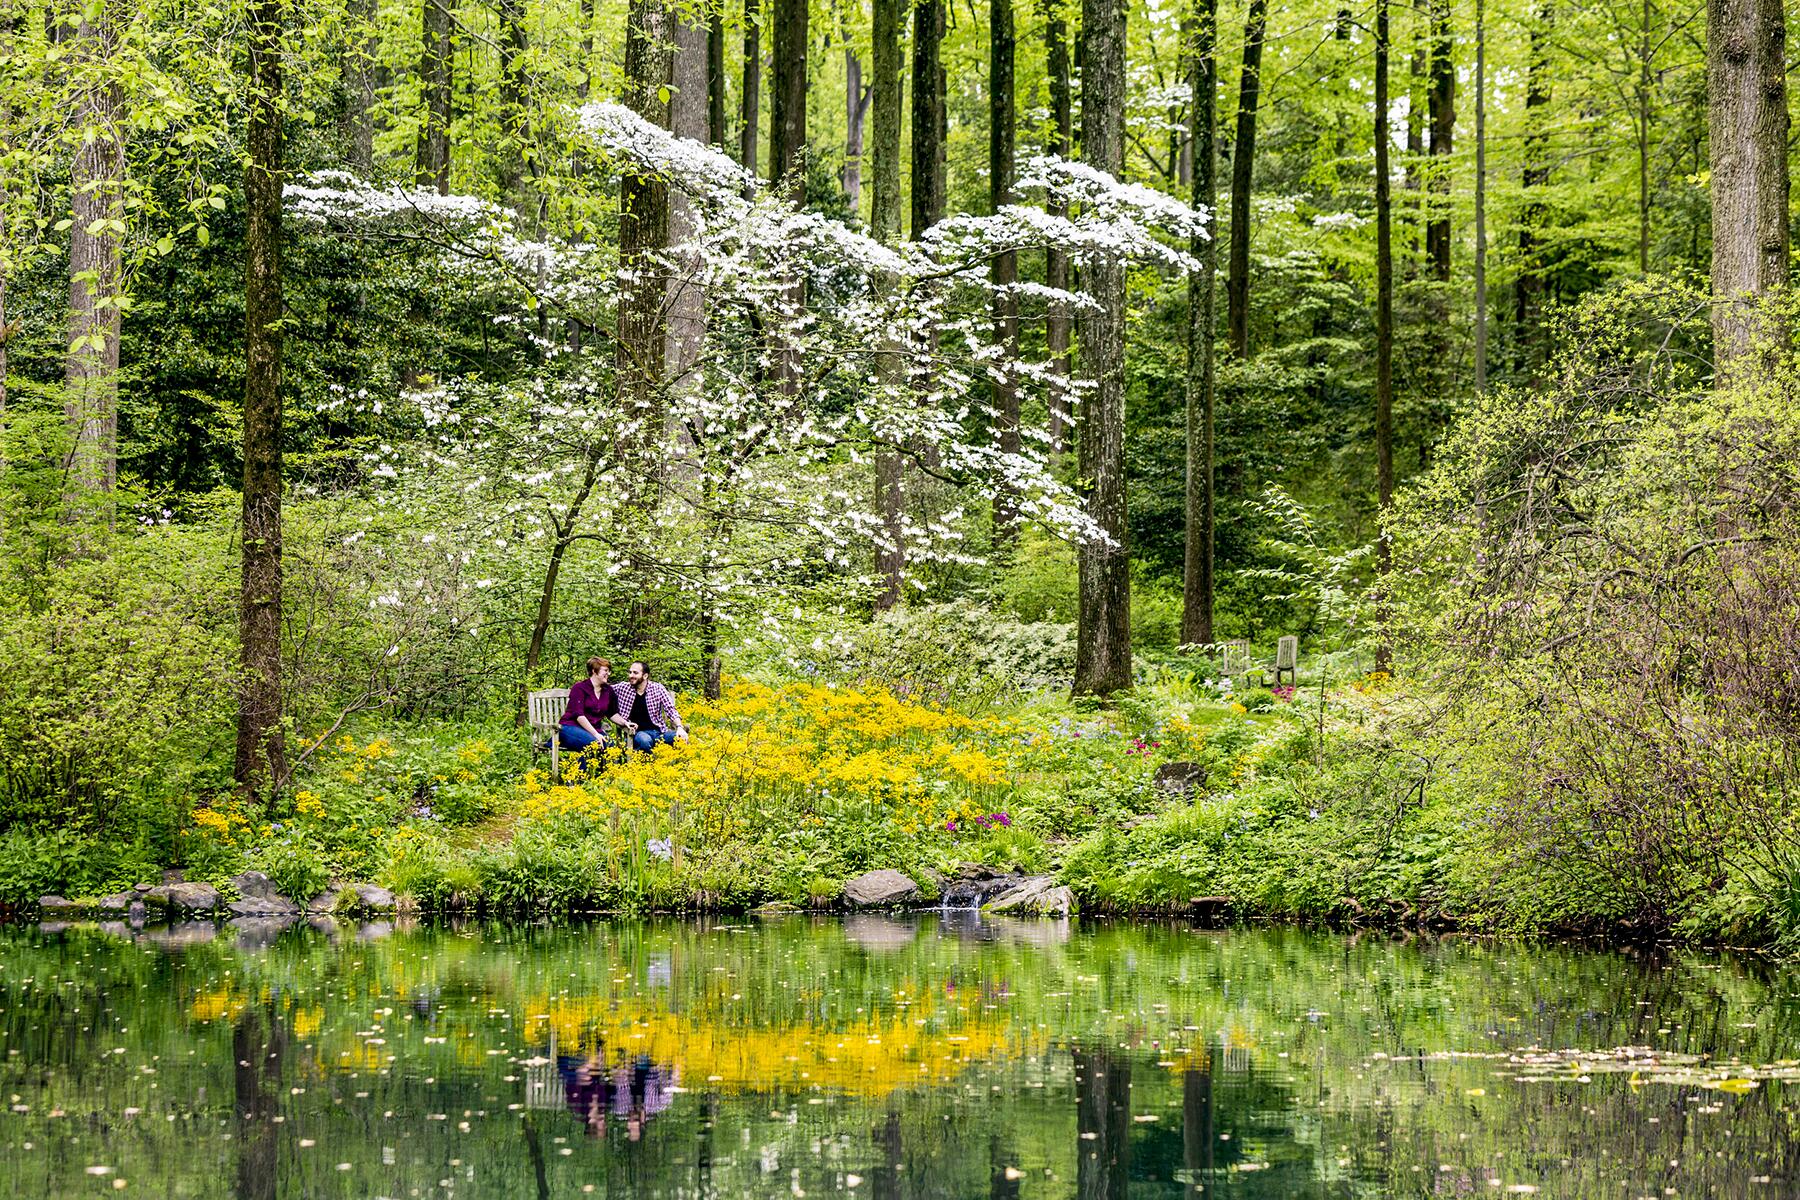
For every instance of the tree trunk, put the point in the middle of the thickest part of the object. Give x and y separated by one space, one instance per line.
261 756
1243 165
751 99
927 116
685 326
856 107
1198 505
514 114
644 216
1481 293
787 99
360 55
91 369
715 77
884 221
1057 324
1384 330
1442 108
1528 289
1644 89
1005 268
1103 633
1747 123
437 61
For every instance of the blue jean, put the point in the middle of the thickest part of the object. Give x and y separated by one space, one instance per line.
646 739
574 737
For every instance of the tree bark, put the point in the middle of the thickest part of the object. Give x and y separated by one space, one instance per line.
1243 165
261 753
1103 626
1528 289
715 76
1747 124
689 117
437 62
1442 109
1384 330
514 114
856 108
886 18
360 55
644 215
787 99
1057 324
750 107
1005 268
927 116
97 202
1198 504
1481 292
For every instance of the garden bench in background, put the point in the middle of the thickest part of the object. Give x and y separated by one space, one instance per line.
1236 658
1287 658
543 713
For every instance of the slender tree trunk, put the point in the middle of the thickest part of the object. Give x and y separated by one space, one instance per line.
1528 290
715 76
360 55
750 108
1197 557
685 325
927 116
856 108
644 216
514 113
1384 330
787 99
1747 123
1644 86
1442 108
589 18
1243 165
1481 292
437 62
886 18
91 369
1057 323
1005 270
1103 625
563 536
261 753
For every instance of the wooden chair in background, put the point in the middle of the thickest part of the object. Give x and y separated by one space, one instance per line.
543 714
1287 659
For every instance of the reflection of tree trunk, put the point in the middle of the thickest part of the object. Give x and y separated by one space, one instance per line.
889 1173
257 1046
1197 1138
1103 1121
534 1146
1000 1185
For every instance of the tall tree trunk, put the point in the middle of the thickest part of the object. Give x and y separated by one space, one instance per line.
437 62
1481 291
1747 124
1243 166
1057 323
1443 133
261 753
1384 330
360 56
1005 269
750 107
514 114
589 18
715 76
1644 90
97 202
856 108
1103 625
884 221
1528 289
1198 503
787 99
688 118
644 217
927 116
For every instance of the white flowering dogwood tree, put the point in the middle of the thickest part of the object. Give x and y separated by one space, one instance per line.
746 464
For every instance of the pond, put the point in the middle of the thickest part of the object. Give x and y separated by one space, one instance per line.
930 1055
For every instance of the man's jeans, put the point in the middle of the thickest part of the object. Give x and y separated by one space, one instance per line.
646 739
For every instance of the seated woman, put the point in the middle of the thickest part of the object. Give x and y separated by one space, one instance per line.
592 703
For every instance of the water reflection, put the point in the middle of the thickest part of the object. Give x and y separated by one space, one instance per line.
933 1057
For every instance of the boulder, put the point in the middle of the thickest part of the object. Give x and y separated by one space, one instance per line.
57 906
1181 778
325 902
253 884
1038 895
118 902
879 889
264 906
192 897
373 899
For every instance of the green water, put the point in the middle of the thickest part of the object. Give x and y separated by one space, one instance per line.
882 1057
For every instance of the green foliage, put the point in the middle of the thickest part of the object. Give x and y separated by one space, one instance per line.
295 867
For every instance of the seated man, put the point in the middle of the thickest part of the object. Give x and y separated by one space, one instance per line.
592 702
647 710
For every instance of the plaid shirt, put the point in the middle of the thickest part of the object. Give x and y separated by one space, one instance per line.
656 699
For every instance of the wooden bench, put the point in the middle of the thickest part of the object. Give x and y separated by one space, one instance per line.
543 714
1287 659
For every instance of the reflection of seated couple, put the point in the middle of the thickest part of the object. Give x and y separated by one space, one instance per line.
641 707
636 1091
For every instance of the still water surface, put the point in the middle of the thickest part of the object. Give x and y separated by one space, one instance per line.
883 1057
